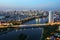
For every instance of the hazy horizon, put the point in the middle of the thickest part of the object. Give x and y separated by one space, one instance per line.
29 4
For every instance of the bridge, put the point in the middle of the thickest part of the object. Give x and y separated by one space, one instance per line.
26 19
51 22
5 25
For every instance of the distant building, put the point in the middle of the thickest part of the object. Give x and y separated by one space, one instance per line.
50 16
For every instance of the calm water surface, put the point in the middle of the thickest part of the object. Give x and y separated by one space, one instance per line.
30 33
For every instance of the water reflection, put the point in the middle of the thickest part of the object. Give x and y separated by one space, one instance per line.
5 30
21 34
41 20
37 21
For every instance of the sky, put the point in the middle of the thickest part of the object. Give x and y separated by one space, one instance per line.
29 4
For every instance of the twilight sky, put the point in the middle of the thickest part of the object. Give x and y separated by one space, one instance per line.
29 4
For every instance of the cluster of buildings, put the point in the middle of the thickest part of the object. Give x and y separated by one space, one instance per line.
54 16
18 15
23 12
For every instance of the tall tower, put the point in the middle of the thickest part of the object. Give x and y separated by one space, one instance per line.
50 16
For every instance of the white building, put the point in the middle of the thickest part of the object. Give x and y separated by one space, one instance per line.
50 16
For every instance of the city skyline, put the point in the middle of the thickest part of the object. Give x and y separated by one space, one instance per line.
29 4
